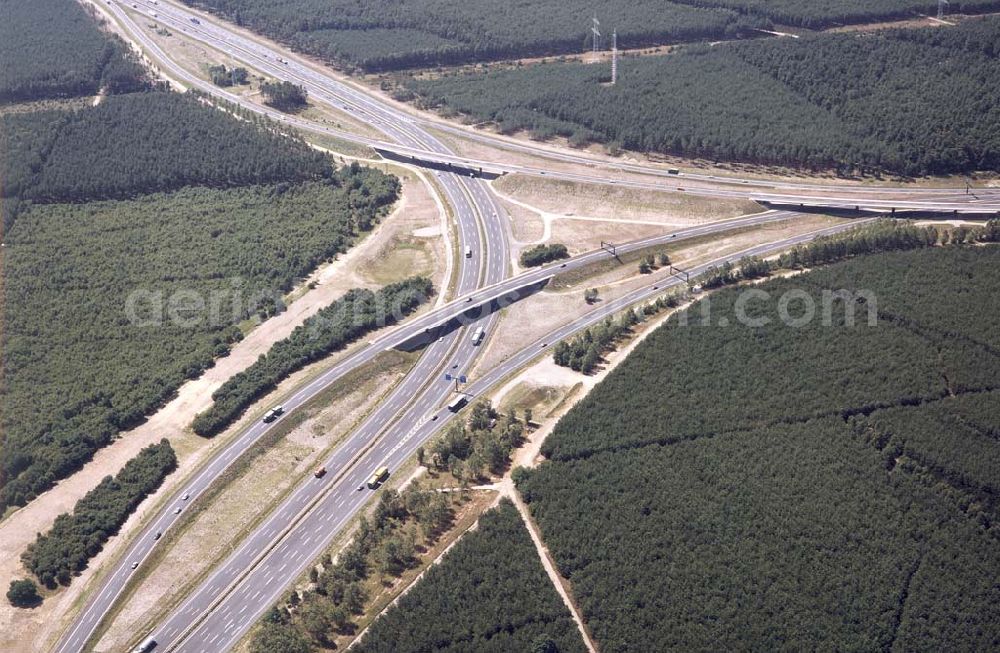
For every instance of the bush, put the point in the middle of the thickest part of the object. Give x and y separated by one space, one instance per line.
23 594
351 317
284 95
76 538
542 254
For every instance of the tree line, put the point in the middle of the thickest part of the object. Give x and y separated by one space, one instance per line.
385 35
149 142
117 273
895 102
225 77
55 557
542 254
793 456
489 593
284 95
384 547
357 313
833 13
482 446
583 352
55 49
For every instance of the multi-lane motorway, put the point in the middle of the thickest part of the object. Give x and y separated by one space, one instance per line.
225 605
325 87
253 577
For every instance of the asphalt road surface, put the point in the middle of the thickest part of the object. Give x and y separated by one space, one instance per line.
385 116
257 574
220 611
144 544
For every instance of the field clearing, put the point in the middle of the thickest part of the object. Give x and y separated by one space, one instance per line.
410 244
614 202
535 316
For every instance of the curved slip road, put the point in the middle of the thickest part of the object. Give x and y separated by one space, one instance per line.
278 62
255 576
144 543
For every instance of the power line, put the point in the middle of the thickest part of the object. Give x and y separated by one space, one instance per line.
614 57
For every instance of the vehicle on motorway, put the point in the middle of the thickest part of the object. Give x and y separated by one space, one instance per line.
456 404
468 252
320 473
673 171
478 335
177 510
361 487
196 21
378 477
186 496
158 535
135 565
273 414
145 646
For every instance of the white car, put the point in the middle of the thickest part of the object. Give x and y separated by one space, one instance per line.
135 565
177 510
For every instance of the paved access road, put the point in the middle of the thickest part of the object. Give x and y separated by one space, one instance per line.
407 396
257 574
480 229
410 406
322 85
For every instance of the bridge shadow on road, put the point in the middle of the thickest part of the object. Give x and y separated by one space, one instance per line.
475 313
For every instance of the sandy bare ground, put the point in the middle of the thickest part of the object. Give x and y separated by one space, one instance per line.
195 550
560 198
582 216
533 317
28 629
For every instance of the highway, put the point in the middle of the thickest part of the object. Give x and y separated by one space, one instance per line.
463 308
221 609
480 229
256 575
364 106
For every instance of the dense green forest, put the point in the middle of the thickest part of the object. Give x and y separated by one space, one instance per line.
149 142
831 13
390 35
902 101
344 321
76 538
789 485
53 48
489 594
99 323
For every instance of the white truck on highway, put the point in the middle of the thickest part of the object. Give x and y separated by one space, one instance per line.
145 646
478 335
